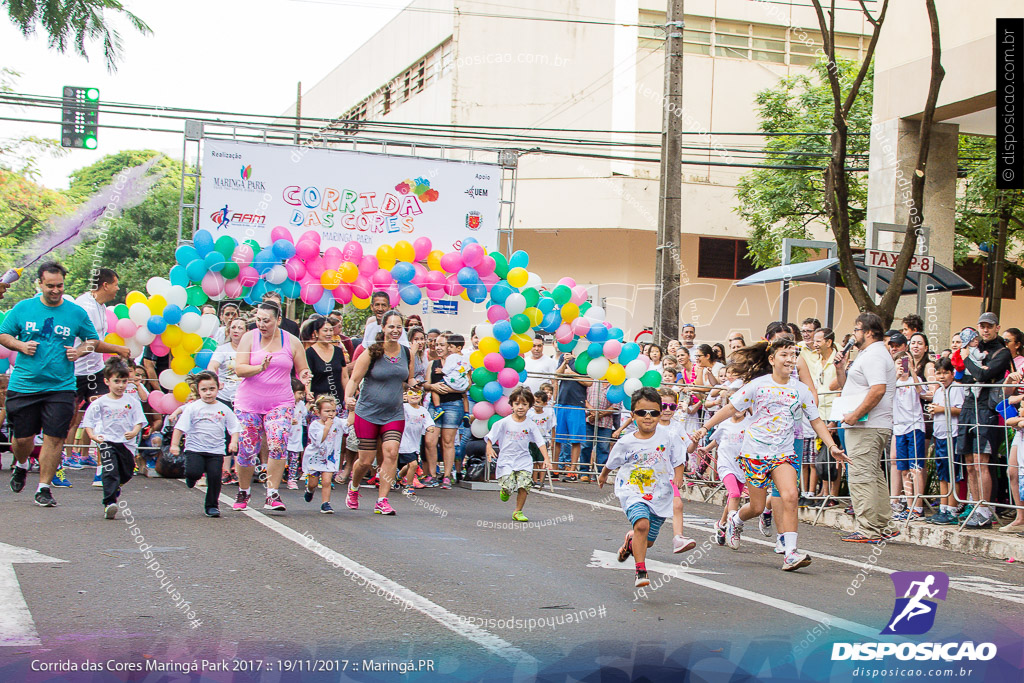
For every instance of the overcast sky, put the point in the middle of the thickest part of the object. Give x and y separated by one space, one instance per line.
225 55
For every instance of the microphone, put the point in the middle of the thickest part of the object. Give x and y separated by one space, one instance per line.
846 350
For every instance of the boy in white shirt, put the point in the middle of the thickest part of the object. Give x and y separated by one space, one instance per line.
543 416
513 435
417 425
112 422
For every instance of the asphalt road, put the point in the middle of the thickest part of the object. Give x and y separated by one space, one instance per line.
451 589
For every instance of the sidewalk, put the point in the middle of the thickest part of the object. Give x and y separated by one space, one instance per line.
978 543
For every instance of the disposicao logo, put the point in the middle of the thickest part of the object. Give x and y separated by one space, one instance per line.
246 172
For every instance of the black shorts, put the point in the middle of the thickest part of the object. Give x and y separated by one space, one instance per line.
90 386
406 458
49 412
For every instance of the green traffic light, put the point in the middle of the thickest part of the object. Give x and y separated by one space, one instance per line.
89 142
92 94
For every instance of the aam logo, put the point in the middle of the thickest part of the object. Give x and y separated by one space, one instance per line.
915 608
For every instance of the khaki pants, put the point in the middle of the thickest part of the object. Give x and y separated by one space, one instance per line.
870 493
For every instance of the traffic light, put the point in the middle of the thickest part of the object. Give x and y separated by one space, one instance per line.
80 116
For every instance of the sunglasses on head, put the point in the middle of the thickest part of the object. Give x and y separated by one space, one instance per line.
645 412
669 406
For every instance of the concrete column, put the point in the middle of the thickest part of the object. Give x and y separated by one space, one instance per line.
893 157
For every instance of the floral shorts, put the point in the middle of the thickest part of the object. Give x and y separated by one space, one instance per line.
276 424
519 479
759 472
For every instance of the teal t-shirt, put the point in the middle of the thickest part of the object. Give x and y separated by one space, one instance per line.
54 327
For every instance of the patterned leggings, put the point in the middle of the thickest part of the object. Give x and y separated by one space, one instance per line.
275 423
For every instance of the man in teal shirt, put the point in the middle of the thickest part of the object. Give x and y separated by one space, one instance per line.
41 393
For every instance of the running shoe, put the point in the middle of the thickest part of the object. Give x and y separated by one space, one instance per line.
396 485
372 481
352 499
225 478
641 579
87 460
18 476
308 495
680 544
326 509
408 491
241 501
795 560
503 494
293 485
234 478
446 483
212 512
857 537
585 478
416 484
274 503
519 516
572 478
535 485
900 515
44 498
764 523
627 547
941 517
97 481
887 535
780 546
979 521
60 480
430 482
720 533
383 507
110 512
71 462
732 533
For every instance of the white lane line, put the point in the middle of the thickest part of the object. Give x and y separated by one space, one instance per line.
606 560
449 620
17 628
1008 592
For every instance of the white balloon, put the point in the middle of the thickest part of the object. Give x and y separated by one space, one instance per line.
134 346
139 313
582 344
276 275
218 296
507 391
595 313
207 324
484 330
190 322
170 379
479 428
635 369
632 385
515 303
598 367
158 285
533 280
177 295
144 336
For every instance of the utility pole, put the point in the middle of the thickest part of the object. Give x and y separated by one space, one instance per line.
670 203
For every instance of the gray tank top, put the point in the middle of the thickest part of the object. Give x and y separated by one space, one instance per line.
380 397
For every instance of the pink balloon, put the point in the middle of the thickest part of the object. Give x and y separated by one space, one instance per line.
483 410
368 266
169 404
315 266
352 252
213 284
452 286
280 233
421 248
233 289
393 296
472 254
381 278
435 294
332 258
497 312
311 293
242 255
568 282
248 276
508 378
579 294
494 362
486 266
490 280
362 288
156 397
125 328
111 318
342 294
295 268
312 235
563 334
159 348
502 407
612 349
420 278
435 279
581 326
452 262
307 249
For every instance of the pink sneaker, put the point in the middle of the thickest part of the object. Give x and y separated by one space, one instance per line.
292 484
274 503
241 501
352 499
680 544
383 507
416 484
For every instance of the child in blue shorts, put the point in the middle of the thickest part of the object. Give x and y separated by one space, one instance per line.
908 428
950 393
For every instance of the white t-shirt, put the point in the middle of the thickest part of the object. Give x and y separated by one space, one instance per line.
321 454
544 364
872 366
92 363
776 412
225 357
112 418
219 335
456 371
513 441
956 395
729 436
295 430
371 330
545 420
907 411
204 425
417 420
646 469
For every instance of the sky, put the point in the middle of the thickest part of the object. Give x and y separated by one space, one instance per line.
225 55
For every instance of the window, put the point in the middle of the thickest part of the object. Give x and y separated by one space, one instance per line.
975 271
723 258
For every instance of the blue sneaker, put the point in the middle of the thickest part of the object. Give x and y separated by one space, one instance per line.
97 481
60 480
72 462
88 461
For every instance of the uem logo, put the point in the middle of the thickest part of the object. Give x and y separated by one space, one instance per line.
246 172
914 612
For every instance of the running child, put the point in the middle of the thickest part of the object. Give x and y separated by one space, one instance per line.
544 417
512 435
417 425
950 393
728 441
320 459
649 461
294 446
777 404
112 421
669 405
204 423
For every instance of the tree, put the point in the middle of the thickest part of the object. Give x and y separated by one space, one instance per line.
71 23
780 203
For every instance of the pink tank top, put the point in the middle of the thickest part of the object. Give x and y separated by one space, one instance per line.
271 388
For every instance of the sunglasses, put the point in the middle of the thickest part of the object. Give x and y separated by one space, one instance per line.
668 406
644 412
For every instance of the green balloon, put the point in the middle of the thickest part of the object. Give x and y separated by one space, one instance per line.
254 244
518 364
494 418
225 244
230 270
121 311
531 295
476 393
582 361
482 376
520 323
651 378
210 344
196 295
500 264
561 295
584 307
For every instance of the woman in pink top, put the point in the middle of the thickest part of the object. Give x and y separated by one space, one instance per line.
267 358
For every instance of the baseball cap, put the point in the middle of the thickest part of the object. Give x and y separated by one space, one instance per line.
897 339
989 318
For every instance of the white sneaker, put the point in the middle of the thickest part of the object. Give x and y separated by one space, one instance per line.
764 522
780 547
680 544
795 561
732 533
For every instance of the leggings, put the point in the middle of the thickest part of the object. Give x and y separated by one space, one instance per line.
368 432
732 485
276 423
197 464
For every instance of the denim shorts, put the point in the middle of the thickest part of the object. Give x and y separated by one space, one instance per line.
452 416
910 453
942 460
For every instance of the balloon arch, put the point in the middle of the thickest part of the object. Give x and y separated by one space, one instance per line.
169 320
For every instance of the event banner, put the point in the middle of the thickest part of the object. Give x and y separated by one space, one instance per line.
249 188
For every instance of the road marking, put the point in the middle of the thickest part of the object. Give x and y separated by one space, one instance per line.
449 620
16 625
606 560
1009 592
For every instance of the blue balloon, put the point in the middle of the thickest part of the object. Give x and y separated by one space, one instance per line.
467 276
551 321
523 376
492 391
258 290
196 269
156 324
546 305
503 331
630 351
325 305
519 259
203 242
598 333
500 291
192 309
567 347
477 293
290 289
203 358
616 333
171 314
185 254
595 350
469 240
409 292
403 272
508 349
265 260
214 261
179 275
616 394
283 249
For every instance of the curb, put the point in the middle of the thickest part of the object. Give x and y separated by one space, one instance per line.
986 543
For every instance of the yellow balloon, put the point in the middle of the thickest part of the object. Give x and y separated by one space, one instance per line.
114 338
180 351
465 295
157 304
525 343
182 365
135 298
570 312
616 374
349 272
360 303
404 251
476 359
434 260
172 336
330 279
386 257
192 342
489 345
517 277
535 315
181 392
